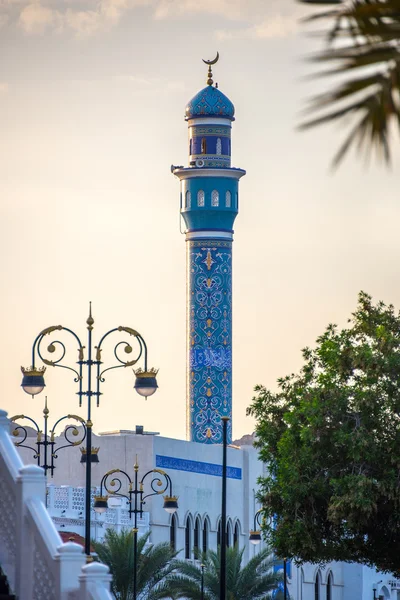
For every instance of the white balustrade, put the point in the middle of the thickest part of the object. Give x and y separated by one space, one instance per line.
36 562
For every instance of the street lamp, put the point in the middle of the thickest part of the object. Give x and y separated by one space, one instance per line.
160 480
255 538
222 578
89 356
45 438
202 582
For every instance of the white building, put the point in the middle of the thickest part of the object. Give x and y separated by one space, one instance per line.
195 471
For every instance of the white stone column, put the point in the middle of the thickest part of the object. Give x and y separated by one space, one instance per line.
31 483
71 561
95 575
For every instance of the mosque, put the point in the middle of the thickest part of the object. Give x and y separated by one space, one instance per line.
209 204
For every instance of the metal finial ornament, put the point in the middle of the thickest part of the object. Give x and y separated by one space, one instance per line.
90 319
209 63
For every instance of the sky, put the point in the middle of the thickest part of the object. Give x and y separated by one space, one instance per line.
92 99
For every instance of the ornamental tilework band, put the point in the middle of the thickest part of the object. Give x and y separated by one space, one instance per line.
210 339
196 466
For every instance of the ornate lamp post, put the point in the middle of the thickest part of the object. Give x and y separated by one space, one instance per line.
46 452
222 575
90 362
255 538
160 480
202 582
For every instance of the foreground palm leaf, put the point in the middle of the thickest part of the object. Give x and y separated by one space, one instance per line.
364 47
254 581
155 563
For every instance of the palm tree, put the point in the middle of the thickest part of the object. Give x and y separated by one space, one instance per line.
155 563
364 46
254 581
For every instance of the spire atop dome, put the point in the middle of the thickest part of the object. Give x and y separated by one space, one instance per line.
209 63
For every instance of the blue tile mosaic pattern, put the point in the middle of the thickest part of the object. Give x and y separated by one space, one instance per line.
195 466
210 102
210 339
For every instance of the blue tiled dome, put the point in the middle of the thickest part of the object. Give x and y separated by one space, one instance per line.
210 102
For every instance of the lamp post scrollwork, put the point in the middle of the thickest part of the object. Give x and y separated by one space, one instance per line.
111 484
255 538
88 375
46 450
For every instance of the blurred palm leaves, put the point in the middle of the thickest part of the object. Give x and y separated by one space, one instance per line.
364 46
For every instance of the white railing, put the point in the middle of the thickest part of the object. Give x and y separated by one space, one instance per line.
66 506
36 562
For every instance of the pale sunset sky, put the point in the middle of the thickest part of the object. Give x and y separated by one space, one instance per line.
92 99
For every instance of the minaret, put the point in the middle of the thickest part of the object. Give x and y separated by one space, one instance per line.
209 205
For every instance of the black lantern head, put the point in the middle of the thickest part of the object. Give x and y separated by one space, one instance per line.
146 382
33 380
255 537
171 504
100 504
94 455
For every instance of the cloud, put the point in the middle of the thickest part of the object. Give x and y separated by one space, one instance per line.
36 18
259 19
276 27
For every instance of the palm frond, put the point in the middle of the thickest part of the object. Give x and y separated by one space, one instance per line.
372 31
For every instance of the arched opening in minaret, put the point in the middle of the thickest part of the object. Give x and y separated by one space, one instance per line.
228 199
214 198
200 198
188 199
219 146
203 146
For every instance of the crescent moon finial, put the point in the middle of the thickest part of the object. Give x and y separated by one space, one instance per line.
209 63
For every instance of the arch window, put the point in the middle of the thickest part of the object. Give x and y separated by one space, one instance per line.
329 587
228 199
228 534
172 532
219 533
205 536
196 537
316 588
200 198
214 198
188 199
236 534
188 536
219 146
203 146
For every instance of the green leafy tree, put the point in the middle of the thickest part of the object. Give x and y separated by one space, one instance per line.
155 564
254 581
331 437
364 47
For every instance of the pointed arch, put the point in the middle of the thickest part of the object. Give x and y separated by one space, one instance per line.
188 202
236 533
229 533
200 198
219 533
172 531
206 533
188 536
317 586
228 199
196 536
219 146
329 583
